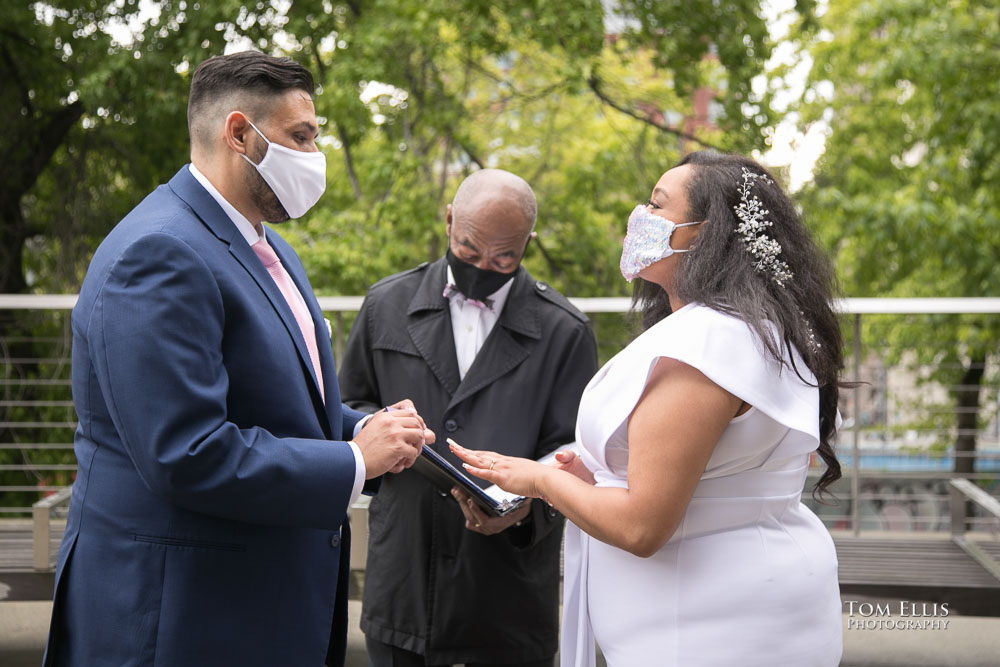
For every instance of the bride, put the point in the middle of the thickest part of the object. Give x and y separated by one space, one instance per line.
689 544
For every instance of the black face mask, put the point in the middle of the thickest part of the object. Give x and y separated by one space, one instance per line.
473 282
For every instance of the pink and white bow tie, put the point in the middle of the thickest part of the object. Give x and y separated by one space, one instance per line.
451 290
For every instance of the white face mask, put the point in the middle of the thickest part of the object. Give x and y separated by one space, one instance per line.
297 178
647 241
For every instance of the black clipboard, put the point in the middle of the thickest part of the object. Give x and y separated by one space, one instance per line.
445 477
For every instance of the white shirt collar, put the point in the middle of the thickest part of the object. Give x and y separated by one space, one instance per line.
499 298
245 226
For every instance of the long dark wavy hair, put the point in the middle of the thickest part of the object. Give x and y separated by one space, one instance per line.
720 274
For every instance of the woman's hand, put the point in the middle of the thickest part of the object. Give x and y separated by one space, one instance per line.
510 473
571 463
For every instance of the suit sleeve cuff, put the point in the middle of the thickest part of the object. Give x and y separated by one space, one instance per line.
361 424
359 472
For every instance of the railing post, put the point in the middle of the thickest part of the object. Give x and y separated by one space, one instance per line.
41 513
956 502
856 447
40 537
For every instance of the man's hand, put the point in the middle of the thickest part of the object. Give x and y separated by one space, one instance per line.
479 522
391 440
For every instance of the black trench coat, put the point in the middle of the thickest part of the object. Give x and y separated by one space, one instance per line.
431 586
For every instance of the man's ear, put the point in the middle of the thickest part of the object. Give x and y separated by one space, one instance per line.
236 128
531 237
447 222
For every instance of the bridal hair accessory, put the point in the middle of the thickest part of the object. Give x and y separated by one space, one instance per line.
813 343
753 226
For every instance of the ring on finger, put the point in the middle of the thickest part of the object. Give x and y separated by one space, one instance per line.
493 462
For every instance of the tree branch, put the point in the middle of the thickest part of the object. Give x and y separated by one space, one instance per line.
319 61
553 265
516 93
468 151
15 76
595 85
349 161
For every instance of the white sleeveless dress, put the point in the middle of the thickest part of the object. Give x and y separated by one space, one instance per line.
750 576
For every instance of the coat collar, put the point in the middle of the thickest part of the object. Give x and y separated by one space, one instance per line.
428 322
429 326
520 313
187 187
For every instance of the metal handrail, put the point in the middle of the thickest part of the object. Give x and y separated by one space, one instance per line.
961 491
847 306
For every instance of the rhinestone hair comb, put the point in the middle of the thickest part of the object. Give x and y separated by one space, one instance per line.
753 226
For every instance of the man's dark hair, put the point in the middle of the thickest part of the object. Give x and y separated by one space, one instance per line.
249 81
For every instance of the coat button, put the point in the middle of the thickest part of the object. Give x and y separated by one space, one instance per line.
540 286
451 425
335 540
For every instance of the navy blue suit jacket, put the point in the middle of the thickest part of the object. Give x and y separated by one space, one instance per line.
208 519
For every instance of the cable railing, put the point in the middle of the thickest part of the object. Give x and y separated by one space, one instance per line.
896 444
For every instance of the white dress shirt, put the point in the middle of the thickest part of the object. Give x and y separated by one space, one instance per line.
471 324
250 233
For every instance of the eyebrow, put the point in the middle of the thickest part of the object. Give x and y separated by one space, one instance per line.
503 254
307 126
662 192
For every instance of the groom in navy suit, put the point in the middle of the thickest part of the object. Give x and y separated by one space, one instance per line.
216 462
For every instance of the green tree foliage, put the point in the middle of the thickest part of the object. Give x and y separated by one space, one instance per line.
532 87
96 117
906 192
94 113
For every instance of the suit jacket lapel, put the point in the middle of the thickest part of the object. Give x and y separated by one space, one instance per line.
327 363
501 352
211 214
428 321
322 337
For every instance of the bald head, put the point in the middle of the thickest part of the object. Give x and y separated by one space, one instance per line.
495 186
491 219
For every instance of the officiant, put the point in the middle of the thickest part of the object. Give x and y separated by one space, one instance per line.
493 359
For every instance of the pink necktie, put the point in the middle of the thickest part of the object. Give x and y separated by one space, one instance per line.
290 292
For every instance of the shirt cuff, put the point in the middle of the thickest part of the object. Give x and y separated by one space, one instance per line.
361 424
360 472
